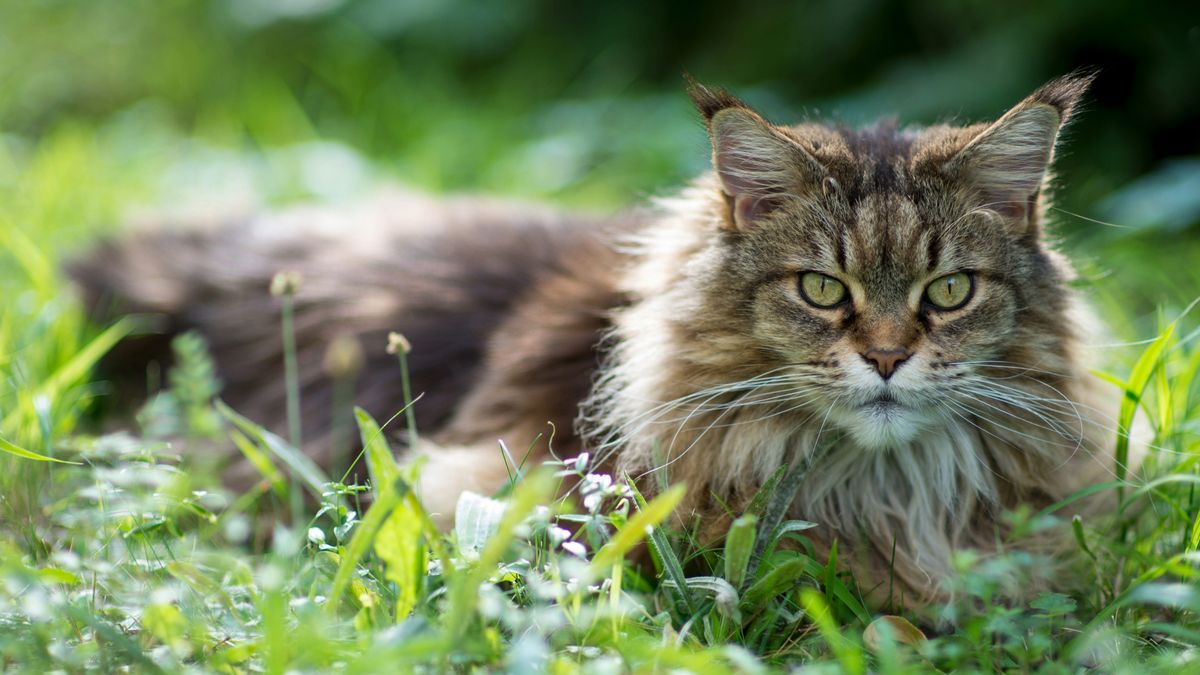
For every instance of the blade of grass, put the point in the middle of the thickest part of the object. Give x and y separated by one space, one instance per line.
75 369
300 464
639 526
666 554
360 543
381 463
13 449
261 462
849 654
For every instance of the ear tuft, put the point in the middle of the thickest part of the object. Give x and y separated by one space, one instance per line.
711 100
1065 93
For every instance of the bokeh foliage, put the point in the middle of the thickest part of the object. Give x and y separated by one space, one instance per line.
582 102
444 90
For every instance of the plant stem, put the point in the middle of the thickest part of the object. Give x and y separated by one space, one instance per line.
410 415
292 382
291 371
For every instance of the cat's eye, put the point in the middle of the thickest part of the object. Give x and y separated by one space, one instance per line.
820 290
951 291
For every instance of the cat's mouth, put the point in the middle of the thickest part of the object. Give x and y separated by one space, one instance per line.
882 421
882 403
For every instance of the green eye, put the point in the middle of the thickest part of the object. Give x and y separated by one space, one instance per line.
951 291
820 290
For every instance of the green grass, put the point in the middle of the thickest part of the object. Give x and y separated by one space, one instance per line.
136 557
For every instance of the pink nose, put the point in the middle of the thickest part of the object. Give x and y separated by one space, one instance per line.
886 361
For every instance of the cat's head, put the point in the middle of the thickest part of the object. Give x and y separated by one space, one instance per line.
889 268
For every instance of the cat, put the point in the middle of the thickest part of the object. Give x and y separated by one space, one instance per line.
881 307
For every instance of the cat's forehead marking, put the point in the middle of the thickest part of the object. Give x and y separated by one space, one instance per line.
881 154
888 246
894 232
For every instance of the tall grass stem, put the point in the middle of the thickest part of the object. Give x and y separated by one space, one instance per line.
291 370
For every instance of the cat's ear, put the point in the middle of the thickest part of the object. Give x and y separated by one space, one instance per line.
1007 163
757 164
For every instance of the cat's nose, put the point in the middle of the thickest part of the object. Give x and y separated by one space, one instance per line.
886 361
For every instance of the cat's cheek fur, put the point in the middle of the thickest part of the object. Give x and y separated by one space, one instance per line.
782 322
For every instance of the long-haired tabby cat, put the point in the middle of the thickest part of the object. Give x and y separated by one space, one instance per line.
880 306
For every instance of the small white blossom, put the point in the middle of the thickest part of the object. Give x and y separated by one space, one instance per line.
558 535
592 501
581 462
597 481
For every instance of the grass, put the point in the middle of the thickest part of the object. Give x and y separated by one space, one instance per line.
135 557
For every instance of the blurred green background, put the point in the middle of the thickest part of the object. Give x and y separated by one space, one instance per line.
184 102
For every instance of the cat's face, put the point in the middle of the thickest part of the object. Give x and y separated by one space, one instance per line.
886 269
883 302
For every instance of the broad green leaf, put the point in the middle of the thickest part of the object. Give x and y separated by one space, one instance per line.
536 489
400 546
360 543
1053 604
758 505
165 622
779 579
774 511
394 524
739 545
476 520
56 575
724 595
786 528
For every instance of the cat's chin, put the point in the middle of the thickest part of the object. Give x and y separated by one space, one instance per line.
882 425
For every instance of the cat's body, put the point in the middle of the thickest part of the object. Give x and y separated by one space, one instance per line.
878 305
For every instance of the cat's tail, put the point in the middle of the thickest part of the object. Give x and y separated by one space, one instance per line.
445 274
